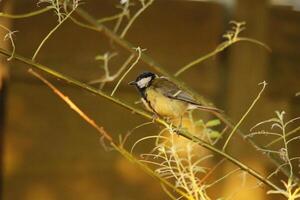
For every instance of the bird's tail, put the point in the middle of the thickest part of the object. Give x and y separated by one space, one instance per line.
206 108
210 109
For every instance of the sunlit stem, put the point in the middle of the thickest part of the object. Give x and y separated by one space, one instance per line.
139 12
25 15
244 116
129 69
49 34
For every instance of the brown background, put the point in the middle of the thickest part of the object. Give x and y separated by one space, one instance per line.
50 153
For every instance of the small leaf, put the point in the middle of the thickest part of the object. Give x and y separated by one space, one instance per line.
214 134
212 123
199 123
100 57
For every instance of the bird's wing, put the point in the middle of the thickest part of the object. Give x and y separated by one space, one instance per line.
164 86
171 90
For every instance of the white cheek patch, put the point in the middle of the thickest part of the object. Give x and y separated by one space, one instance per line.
144 82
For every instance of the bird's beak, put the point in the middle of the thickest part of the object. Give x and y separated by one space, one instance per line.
132 83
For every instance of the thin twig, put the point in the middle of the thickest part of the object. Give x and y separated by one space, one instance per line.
140 11
185 134
129 69
149 171
232 37
165 189
110 18
25 15
287 135
244 116
211 171
50 33
9 36
101 130
72 105
125 12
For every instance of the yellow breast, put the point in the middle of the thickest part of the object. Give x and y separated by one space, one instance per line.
165 106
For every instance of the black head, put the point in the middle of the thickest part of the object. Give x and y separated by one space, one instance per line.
143 80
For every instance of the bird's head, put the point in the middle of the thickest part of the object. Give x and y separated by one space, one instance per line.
144 80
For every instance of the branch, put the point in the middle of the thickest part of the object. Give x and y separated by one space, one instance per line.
93 25
129 69
287 135
105 134
25 15
73 106
140 11
232 37
9 36
185 134
61 21
244 116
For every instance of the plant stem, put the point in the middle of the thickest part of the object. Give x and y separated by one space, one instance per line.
105 134
219 48
26 15
49 34
197 61
73 106
280 138
158 68
129 69
9 35
148 170
140 112
231 159
122 35
110 18
244 116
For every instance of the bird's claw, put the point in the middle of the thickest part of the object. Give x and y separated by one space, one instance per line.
154 117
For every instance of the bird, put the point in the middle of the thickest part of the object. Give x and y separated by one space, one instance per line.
164 98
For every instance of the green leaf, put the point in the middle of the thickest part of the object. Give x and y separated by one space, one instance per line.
199 123
212 123
214 134
100 57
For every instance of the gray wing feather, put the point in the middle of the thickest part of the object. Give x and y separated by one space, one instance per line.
171 90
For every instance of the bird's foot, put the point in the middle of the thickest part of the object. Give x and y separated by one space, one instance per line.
154 117
179 130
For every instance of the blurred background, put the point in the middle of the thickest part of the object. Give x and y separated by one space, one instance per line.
48 152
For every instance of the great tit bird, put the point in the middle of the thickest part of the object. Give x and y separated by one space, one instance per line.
165 98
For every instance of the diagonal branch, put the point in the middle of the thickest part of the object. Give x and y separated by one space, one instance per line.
26 15
93 25
73 106
185 134
105 134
